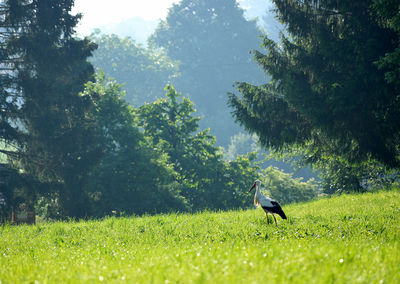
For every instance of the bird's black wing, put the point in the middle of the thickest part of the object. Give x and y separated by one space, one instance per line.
277 209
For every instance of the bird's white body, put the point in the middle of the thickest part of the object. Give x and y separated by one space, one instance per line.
261 199
268 204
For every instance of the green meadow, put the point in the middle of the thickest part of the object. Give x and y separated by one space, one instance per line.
343 239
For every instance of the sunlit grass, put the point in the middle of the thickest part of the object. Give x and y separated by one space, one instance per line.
345 239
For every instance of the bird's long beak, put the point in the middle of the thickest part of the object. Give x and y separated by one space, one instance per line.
253 186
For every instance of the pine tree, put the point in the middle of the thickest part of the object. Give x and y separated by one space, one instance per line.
328 91
49 70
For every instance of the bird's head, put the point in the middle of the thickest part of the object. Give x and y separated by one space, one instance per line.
256 183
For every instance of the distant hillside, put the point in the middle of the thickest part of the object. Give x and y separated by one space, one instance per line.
137 28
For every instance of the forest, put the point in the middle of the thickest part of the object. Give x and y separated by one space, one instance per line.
104 126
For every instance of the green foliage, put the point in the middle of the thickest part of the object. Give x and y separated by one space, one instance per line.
207 181
48 69
240 144
211 40
341 176
265 112
239 174
77 144
336 173
327 88
343 239
143 71
283 187
11 136
131 177
388 17
246 143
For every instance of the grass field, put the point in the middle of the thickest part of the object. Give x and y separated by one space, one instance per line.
344 239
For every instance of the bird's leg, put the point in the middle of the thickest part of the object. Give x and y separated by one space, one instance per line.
274 219
266 214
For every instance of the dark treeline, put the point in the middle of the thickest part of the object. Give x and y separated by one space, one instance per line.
73 147
334 94
73 143
202 48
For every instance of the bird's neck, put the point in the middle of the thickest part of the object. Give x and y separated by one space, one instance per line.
256 196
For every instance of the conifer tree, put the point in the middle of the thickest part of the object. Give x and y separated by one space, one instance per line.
49 70
331 88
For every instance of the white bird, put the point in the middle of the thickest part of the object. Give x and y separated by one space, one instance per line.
269 205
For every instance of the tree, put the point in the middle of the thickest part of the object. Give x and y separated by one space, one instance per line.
239 174
211 40
240 144
207 181
340 175
285 188
389 18
329 87
132 177
245 143
49 70
11 138
143 71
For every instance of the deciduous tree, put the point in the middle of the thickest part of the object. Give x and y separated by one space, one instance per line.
208 182
143 71
132 176
211 39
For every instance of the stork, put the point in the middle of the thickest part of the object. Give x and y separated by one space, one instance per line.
269 205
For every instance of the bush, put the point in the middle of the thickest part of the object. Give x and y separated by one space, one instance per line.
286 189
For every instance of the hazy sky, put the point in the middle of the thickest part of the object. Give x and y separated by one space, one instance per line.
98 13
